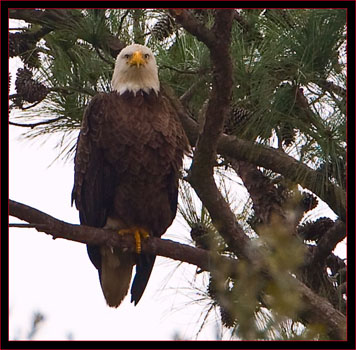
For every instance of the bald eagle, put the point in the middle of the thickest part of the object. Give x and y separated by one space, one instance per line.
128 158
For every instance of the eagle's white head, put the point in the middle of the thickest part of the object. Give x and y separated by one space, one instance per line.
135 69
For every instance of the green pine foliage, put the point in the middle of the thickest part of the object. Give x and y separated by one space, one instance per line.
271 49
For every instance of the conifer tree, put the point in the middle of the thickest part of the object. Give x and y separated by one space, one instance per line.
287 113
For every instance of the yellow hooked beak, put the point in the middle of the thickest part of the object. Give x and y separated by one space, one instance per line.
137 59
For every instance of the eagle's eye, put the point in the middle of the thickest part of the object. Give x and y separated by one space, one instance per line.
147 55
127 56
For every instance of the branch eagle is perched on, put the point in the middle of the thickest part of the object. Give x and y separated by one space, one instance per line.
129 153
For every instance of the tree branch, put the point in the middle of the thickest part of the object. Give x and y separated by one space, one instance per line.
194 27
331 86
183 71
32 125
290 168
273 159
328 242
98 236
52 19
321 311
316 309
201 172
189 93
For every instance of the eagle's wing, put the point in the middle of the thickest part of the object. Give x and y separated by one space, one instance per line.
90 193
94 177
111 147
93 193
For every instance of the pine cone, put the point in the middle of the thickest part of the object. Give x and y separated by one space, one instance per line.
335 263
29 89
201 15
308 202
236 120
212 289
214 292
17 44
313 231
163 28
200 236
288 134
226 318
21 45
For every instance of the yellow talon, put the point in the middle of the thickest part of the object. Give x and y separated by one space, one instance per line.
138 241
138 233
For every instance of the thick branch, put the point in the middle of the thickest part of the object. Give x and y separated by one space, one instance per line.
98 236
328 242
290 168
194 27
322 312
273 159
201 172
317 308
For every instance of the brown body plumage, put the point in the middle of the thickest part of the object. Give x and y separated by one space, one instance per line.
127 163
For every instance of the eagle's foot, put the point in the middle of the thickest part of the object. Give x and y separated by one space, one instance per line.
138 233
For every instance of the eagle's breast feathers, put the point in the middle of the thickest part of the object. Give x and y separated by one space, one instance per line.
138 142
129 154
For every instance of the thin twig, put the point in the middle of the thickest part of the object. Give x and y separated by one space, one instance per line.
189 93
332 87
122 21
31 106
19 28
182 71
27 225
102 57
32 125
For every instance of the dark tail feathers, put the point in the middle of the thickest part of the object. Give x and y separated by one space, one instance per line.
144 267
